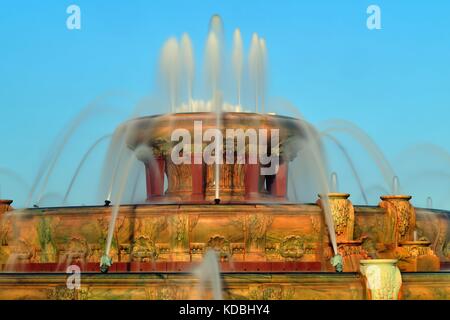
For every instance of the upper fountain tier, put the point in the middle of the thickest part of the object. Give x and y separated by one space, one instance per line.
250 137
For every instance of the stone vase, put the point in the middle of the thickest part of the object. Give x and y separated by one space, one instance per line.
382 278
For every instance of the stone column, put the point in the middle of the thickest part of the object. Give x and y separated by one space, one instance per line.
252 180
154 174
198 178
277 184
153 158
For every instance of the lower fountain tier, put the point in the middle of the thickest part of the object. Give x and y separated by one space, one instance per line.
269 236
169 286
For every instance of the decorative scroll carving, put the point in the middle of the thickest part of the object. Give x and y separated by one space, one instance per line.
160 146
76 250
21 251
193 220
143 249
220 245
5 230
292 247
165 293
257 225
352 252
179 179
150 227
64 293
255 229
48 248
270 292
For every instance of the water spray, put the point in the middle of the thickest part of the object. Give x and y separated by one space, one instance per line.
429 203
395 185
334 182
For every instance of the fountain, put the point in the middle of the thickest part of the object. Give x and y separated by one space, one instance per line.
219 208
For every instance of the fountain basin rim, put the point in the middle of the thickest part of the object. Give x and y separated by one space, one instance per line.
335 195
415 243
378 261
396 197
213 115
349 242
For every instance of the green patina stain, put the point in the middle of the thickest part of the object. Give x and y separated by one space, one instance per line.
46 241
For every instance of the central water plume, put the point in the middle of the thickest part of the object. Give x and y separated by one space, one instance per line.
257 61
170 70
177 72
395 185
238 62
187 66
213 67
334 187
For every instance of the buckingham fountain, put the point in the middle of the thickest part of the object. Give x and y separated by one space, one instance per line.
228 227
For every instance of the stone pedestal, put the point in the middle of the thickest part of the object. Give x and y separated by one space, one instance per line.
382 279
352 253
416 256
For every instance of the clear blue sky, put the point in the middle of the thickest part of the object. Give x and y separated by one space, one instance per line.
394 82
